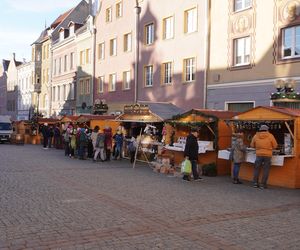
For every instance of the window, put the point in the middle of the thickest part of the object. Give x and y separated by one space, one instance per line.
149 34
59 65
119 9
87 87
241 4
47 75
291 42
112 82
72 60
66 63
58 93
108 17
148 75
82 57
43 76
65 92
71 91
242 51
81 87
54 67
239 106
126 79
189 69
101 51
113 47
168 28
166 72
190 20
53 94
101 84
127 42
88 56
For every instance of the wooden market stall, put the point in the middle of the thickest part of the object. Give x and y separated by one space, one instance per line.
145 122
214 134
284 124
90 121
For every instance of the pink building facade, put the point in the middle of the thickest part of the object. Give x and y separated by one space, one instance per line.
170 51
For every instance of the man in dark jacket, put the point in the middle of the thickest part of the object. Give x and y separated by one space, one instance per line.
191 152
46 134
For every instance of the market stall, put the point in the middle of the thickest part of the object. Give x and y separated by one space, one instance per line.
90 121
214 134
284 124
145 121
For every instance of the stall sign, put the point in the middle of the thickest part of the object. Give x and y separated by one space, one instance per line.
137 109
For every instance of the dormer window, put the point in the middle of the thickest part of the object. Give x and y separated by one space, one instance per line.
61 34
71 28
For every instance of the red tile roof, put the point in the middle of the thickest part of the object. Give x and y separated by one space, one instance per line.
60 18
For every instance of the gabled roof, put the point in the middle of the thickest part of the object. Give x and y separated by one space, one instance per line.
58 20
284 111
217 114
43 35
5 64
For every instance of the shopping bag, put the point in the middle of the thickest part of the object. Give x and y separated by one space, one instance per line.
186 167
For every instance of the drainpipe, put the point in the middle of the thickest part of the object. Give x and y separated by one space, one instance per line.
137 49
207 51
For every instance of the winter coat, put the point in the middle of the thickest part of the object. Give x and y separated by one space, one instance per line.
108 138
264 143
238 149
45 131
100 140
94 138
191 147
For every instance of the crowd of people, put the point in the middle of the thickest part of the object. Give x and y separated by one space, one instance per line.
99 144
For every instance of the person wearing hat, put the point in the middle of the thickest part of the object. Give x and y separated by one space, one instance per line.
264 143
191 152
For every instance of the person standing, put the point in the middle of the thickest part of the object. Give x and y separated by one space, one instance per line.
94 137
119 144
238 155
108 142
51 134
191 152
83 141
99 146
67 141
46 134
264 143
56 137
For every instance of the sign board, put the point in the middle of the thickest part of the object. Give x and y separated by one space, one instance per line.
137 109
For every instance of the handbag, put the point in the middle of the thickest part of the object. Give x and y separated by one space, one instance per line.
186 167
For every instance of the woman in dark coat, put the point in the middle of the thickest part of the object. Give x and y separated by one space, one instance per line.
238 155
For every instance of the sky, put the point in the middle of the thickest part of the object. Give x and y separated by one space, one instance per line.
22 21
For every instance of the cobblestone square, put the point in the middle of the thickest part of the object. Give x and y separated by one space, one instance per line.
49 201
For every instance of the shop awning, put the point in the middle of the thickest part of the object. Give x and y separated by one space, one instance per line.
147 112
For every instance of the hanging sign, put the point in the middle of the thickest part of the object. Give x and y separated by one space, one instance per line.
137 109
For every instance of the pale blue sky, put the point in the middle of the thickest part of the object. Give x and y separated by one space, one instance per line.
22 21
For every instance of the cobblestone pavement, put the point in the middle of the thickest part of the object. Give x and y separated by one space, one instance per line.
49 201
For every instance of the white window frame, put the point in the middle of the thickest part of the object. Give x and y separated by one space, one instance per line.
87 86
149 33
227 103
66 63
128 42
191 20
242 49
167 73
112 82
72 60
119 9
101 84
294 37
189 65
240 5
168 28
126 80
113 47
101 51
148 75
108 14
